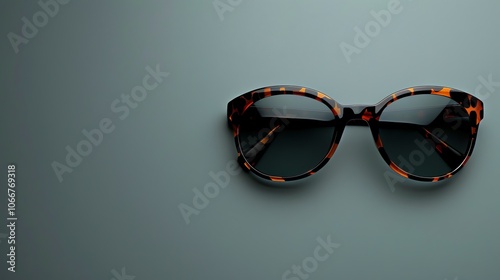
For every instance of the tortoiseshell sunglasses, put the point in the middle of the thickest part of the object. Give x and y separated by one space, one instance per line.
285 133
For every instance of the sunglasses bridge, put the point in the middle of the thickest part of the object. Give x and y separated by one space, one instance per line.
357 115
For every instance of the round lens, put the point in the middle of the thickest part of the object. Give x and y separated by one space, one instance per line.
286 135
425 135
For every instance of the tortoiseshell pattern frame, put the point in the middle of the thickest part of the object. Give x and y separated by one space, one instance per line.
343 114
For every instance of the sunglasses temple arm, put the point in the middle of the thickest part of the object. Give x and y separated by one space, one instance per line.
450 155
257 150
254 154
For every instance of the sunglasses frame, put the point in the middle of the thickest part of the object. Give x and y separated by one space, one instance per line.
345 113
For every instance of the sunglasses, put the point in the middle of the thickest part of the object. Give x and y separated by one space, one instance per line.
285 133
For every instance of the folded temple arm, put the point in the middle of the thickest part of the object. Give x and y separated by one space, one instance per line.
448 153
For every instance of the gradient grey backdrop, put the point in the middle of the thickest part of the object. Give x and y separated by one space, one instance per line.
119 207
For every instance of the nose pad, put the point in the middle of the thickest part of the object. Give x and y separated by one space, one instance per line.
358 109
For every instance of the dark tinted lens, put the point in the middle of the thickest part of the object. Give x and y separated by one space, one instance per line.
286 135
425 135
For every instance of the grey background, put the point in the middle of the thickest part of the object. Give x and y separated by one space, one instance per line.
119 207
